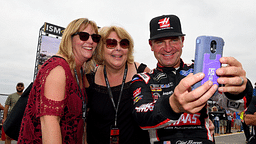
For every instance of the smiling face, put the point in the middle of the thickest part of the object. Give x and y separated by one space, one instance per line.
168 50
115 57
83 50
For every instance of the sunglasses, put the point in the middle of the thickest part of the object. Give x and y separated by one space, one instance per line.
84 36
112 43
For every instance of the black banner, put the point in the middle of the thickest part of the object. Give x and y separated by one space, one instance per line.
53 29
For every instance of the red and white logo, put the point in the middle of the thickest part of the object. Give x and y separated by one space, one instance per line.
137 92
164 23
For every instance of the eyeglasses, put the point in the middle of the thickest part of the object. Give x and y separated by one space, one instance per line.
84 36
112 43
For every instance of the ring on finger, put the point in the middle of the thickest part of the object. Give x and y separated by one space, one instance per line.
242 81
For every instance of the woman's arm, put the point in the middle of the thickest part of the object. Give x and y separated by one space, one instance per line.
51 133
54 90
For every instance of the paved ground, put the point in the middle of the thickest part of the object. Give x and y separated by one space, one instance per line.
13 142
234 138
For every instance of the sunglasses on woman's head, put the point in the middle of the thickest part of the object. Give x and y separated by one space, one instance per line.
112 43
84 36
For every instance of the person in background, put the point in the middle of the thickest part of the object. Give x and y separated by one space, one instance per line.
215 117
229 119
54 112
10 103
1 117
238 122
250 119
254 90
245 127
165 103
223 120
1 108
110 117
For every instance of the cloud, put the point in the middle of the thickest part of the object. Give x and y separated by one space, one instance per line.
233 20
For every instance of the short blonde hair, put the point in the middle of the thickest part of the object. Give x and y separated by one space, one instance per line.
66 49
105 32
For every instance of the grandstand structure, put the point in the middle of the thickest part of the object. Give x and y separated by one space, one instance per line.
48 44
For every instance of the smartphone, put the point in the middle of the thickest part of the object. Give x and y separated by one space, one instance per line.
209 50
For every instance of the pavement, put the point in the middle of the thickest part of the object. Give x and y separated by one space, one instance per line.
13 142
232 138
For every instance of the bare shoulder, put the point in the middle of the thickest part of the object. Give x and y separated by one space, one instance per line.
55 84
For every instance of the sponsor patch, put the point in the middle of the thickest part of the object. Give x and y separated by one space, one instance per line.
145 77
168 93
145 107
155 88
164 23
160 76
161 85
156 96
134 79
137 92
186 73
136 99
167 142
187 119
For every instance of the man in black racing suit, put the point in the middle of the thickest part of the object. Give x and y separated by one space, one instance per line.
163 101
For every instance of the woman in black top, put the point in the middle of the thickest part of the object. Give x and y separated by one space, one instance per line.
110 101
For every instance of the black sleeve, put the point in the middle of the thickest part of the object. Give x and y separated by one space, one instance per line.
141 68
252 106
149 113
249 93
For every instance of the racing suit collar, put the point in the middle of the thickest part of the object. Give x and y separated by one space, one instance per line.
169 69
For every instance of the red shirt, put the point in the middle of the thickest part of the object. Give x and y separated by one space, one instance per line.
69 109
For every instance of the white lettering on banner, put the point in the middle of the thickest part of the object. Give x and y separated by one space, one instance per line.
187 119
145 107
53 29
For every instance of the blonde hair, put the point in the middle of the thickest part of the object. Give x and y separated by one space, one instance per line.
98 57
214 107
66 49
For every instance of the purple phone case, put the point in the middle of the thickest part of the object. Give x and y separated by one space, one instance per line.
210 67
207 61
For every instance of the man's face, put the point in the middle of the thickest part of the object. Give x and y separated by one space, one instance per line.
19 88
167 50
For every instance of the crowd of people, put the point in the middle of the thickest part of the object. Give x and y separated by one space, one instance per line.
225 121
92 91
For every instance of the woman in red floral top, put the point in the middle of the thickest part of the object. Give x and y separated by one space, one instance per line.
54 113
